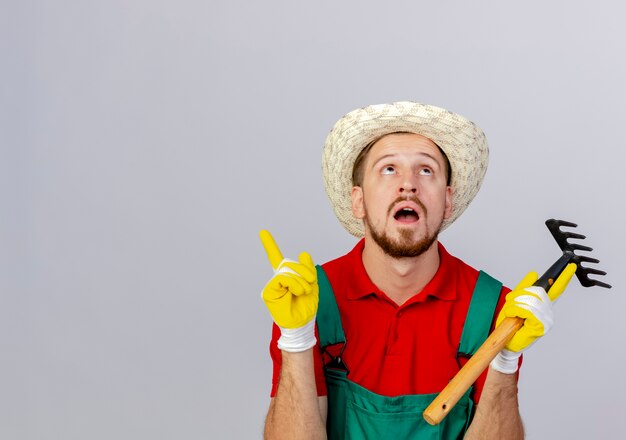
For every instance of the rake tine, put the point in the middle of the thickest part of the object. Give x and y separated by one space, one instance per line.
585 259
579 247
591 271
591 282
574 235
560 223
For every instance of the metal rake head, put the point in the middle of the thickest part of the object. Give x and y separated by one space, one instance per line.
562 238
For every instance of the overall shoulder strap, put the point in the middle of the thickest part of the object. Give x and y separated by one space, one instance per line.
480 313
328 318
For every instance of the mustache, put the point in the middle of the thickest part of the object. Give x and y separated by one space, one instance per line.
413 199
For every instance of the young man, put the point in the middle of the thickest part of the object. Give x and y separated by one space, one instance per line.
364 343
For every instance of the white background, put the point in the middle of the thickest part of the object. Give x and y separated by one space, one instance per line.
144 144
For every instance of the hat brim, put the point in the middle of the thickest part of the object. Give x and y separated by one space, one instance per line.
463 142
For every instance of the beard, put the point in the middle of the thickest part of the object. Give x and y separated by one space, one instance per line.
405 246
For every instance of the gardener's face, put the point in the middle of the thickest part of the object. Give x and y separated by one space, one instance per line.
404 196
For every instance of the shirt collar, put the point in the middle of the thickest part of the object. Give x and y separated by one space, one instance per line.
442 286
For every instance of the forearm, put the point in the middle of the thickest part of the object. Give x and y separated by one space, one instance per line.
295 412
497 414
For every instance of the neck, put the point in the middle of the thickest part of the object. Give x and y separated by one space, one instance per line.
400 278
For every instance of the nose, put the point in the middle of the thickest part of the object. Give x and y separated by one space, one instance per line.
407 187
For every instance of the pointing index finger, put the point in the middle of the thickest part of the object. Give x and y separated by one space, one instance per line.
273 253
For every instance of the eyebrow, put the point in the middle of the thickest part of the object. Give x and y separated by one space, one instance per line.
386 156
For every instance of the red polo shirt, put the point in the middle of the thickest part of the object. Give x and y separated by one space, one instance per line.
393 350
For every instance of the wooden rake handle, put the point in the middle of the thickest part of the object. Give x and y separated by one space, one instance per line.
456 388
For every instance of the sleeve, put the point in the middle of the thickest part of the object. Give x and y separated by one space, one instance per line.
480 382
276 355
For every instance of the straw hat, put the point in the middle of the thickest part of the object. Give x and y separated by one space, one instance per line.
463 142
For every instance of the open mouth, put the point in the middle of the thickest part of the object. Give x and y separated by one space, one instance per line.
406 215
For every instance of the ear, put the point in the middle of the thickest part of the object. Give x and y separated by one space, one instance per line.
357 202
448 211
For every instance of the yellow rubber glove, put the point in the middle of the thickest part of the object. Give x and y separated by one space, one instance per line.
292 296
534 305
